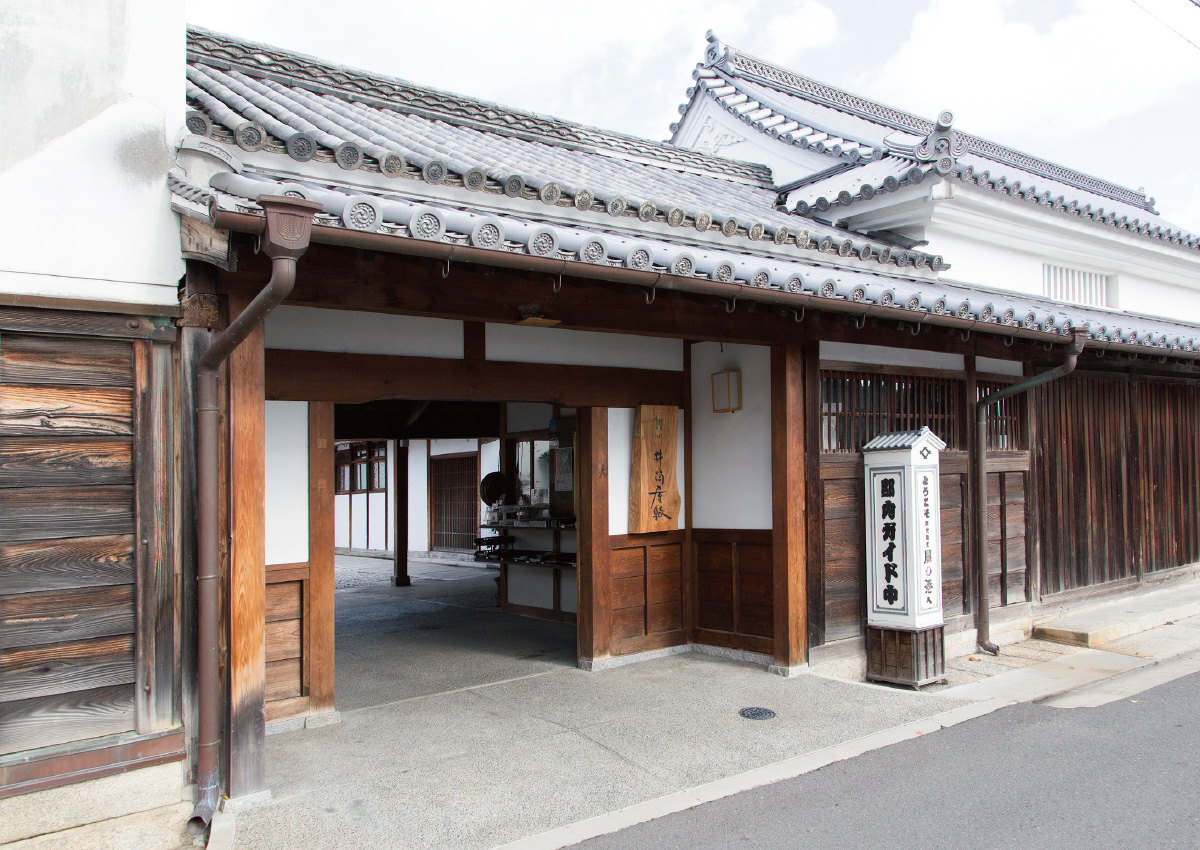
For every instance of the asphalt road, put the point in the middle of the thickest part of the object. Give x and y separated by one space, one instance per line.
1124 775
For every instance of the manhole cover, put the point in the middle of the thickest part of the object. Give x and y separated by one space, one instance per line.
756 713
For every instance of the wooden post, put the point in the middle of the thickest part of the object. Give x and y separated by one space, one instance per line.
319 622
787 501
247 573
594 620
814 497
400 577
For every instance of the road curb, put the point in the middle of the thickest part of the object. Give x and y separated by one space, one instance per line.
565 836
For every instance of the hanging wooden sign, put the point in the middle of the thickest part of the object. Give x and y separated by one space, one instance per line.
653 489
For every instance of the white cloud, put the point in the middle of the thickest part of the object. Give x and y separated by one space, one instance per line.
1104 60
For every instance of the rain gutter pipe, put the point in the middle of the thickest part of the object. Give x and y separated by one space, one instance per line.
286 231
983 615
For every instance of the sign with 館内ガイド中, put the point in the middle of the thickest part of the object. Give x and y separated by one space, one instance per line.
653 488
903 533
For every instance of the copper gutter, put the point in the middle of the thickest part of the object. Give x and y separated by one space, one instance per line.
287 227
983 614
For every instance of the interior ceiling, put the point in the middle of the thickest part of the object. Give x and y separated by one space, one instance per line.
402 419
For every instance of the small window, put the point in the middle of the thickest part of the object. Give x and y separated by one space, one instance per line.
1004 419
361 467
859 406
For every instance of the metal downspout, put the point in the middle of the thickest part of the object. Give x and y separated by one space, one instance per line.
287 230
983 614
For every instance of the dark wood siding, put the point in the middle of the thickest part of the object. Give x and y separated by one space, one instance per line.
735 599
68 590
1118 478
646 591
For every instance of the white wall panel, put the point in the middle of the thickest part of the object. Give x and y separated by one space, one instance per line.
341 521
358 520
731 452
521 344
286 483
348 331
376 521
882 355
418 496
620 467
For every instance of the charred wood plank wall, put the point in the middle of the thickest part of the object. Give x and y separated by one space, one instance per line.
1117 463
87 567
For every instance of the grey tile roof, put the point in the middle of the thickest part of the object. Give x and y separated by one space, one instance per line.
748 270
903 440
263 98
772 116
750 69
817 197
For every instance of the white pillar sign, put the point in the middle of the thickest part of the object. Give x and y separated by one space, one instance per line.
904 538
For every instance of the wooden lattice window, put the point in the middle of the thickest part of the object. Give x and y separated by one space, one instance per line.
1005 431
858 406
361 467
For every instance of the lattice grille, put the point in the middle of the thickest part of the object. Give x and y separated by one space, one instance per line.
1005 429
857 406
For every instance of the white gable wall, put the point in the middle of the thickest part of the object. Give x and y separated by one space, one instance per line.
94 95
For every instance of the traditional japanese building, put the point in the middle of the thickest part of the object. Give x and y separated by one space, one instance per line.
670 354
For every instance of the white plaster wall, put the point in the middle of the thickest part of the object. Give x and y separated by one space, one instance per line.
731 452
376 521
286 482
1142 295
452 447
489 461
532 586
527 416
992 366
620 468
418 495
570 590
349 331
882 355
91 94
520 344
358 525
341 521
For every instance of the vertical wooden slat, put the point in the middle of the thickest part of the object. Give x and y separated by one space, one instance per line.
787 502
814 500
143 470
247 577
319 607
594 619
688 567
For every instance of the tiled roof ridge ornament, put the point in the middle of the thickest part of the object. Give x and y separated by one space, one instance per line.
942 146
716 53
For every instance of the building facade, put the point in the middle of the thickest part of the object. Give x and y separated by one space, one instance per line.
378 285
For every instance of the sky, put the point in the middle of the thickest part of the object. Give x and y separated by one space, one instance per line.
1107 87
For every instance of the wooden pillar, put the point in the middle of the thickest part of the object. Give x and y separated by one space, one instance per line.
247 573
400 577
594 619
787 506
814 497
319 604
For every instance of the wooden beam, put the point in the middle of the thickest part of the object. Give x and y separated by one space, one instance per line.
247 576
400 577
787 503
474 341
318 622
594 624
358 378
